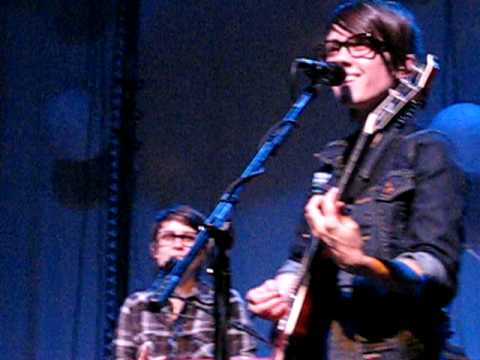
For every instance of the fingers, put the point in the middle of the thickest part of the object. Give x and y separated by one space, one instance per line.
264 292
314 216
144 353
313 204
266 301
273 309
329 207
339 233
322 214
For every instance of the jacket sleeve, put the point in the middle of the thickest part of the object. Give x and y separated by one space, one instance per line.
435 229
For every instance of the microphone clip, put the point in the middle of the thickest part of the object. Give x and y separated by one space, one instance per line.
319 72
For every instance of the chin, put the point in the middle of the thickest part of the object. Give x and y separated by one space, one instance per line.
351 103
350 96
363 105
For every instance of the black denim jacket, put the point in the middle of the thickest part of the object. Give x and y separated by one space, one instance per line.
407 196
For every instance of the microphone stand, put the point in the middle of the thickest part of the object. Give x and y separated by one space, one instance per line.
221 270
219 220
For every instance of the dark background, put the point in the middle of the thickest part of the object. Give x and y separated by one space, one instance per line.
214 77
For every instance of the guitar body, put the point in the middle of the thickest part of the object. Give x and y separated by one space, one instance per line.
296 325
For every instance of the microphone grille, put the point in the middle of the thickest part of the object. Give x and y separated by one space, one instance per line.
320 182
335 76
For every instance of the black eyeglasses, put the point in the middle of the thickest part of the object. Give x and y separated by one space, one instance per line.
363 45
168 237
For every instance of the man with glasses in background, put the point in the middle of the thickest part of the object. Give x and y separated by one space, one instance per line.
185 327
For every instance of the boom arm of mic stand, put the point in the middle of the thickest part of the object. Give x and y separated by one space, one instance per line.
163 288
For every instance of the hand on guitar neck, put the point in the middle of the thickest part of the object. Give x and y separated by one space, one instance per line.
342 238
270 299
338 232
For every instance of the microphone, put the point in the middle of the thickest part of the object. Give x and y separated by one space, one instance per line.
320 182
326 73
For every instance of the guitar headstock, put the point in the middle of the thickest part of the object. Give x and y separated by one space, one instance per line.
410 90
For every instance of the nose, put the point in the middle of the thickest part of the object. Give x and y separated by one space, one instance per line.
342 56
178 242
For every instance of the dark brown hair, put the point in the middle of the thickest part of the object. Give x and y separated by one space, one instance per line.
387 21
182 213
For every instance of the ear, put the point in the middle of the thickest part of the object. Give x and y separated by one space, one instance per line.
406 69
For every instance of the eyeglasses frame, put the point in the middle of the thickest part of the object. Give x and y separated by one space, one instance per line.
376 46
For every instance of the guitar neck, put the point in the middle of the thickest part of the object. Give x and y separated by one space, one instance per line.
353 160
302 273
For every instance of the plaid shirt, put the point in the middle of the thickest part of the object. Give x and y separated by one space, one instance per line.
189 336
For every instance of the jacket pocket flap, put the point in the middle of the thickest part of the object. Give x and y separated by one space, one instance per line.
396 183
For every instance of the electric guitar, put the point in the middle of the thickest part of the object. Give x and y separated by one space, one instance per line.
407 95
